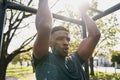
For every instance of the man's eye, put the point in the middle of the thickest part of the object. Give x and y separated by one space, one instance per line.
68 39
59 38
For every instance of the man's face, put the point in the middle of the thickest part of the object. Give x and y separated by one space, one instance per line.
60 42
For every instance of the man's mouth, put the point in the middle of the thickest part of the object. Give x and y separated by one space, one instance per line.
65 50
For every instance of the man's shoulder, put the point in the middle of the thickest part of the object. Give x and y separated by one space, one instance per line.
75 58
72 56
45 58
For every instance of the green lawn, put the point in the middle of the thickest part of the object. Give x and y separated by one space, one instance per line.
22 72
106 76
18 71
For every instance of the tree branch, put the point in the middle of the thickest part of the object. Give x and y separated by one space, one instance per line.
16 52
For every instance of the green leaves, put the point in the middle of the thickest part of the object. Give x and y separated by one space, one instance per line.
115 57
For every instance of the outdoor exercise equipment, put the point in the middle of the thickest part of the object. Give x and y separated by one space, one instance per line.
5 4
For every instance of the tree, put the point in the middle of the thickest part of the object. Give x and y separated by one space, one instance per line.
115 57
13 24
23 57
109 27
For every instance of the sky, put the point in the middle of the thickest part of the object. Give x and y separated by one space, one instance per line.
30 30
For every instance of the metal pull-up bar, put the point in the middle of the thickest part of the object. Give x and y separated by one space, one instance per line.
108 11
12 5
4 4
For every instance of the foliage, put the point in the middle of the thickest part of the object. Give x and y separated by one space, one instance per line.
115 57
16 59
109 31
106 76
22 57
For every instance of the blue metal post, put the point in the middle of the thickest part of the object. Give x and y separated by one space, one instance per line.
84 34
2 21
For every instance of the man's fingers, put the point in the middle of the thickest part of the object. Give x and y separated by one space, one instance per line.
83 8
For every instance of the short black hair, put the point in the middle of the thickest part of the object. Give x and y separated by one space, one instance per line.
57 28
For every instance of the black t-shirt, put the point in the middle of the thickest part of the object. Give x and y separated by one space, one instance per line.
53 67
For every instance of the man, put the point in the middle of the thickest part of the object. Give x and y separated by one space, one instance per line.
57 65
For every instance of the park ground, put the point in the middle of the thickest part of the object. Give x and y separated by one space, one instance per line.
26 73
20 73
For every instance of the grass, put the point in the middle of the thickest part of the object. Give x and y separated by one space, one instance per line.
106 76
18 71
21 72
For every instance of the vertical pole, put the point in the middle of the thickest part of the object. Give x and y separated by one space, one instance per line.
2 21
86 66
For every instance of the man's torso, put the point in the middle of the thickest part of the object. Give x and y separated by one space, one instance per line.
53 67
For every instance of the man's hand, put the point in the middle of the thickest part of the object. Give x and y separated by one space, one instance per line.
83 7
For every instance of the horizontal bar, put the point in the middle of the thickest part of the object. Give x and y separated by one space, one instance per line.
108 11
12 5
75 21
95 10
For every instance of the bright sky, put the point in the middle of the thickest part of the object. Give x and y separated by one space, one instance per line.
102 5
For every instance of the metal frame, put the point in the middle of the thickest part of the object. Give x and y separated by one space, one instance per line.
2 22
4 4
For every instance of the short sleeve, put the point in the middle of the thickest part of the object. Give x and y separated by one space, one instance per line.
78 58
38 61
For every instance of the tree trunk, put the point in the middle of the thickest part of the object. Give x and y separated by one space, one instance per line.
21 64
91 67
86 66
32 63
3 67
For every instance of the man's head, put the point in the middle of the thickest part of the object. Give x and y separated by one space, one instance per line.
59 41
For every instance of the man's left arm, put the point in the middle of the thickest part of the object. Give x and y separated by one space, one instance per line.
89 43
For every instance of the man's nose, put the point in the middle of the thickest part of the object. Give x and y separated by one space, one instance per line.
66 42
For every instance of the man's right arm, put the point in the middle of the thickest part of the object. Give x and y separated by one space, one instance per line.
43 26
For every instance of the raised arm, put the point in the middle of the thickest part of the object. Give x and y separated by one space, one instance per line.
88 44
43 26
